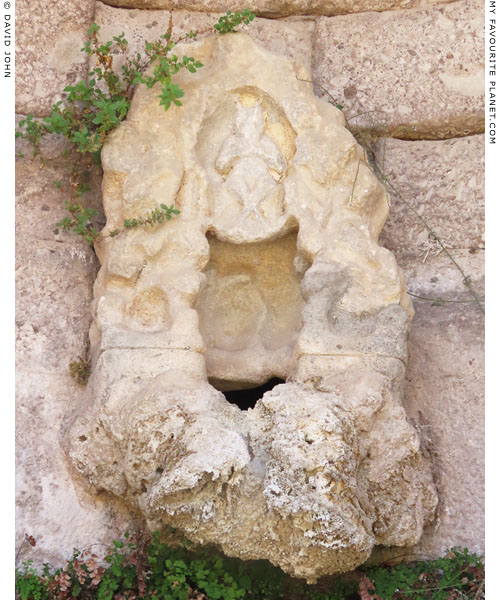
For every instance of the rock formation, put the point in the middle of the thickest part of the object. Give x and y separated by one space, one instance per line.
271 269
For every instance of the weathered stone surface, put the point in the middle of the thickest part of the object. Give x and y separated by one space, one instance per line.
325 465
432 87
54 270
52 146
443 181
445 395
438 277
54 277
40 203
49 36
53 296
252 299
292 39
445 399
276 8
48 505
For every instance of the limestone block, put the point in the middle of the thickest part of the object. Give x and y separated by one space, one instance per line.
52 145
275 8
53 292
272 268
292 39
411 74
438 277
446 352
49 36
369 388
54 269
445 399
54 277
40 203
49 505
443 181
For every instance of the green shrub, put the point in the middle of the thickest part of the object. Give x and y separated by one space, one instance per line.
458 575
92 109
143 567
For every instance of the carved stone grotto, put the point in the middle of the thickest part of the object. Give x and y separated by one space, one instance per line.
272 269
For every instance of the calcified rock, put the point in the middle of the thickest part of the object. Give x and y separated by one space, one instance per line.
272 269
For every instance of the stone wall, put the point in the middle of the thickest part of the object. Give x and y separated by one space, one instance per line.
414 71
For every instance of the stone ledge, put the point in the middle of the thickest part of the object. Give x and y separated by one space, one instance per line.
48 58
416 74
276 8
292 39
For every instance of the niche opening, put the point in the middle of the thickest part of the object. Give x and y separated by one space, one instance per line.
250 310
245 399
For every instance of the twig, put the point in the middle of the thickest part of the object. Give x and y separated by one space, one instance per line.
366 112
441 300
479 590
354 184
433 235
27 538
407 555
334 102
19 550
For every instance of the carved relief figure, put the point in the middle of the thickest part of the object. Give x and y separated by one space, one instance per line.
272 269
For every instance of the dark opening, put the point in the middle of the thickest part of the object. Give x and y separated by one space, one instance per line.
245 399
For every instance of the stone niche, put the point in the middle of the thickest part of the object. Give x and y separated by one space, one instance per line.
271 270
250 311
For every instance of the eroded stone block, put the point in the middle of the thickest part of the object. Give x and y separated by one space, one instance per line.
276 8
53 294
431 88
272 269
49 36
292 39
49 505
441 181
42 189
445 399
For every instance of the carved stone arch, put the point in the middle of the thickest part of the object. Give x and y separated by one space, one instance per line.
272 268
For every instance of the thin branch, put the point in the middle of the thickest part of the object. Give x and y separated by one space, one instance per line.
479 590
354 184
433 235
320 86
441 300
366 112
408 555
